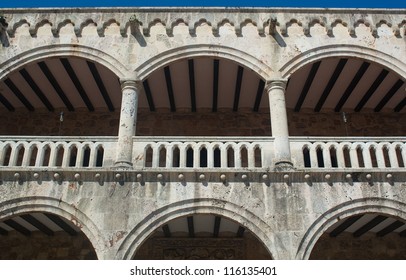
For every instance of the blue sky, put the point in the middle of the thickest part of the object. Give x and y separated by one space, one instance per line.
212 3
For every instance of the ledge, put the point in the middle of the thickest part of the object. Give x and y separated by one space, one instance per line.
204 175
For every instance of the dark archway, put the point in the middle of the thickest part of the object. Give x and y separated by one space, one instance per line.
43 236
202 236
363 236
66 96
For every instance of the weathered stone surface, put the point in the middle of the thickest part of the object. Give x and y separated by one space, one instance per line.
284 211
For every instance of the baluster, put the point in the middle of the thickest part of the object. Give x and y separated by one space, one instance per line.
169 155
340 156
210 154
182 155
237 155
66 155
155 155
27 154
327 155
93 154
354 156
14 154
379 154
52 155
393 159
223 155
366 154
313 156
79 157
196 155
251 155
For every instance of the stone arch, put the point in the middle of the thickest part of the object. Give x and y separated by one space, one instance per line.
45 52
344 210
204 50
55 206
355 51
158 218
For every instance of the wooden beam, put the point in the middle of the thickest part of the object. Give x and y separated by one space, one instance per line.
400 106
346 224
148 94
35 88
52 80
192 84
33 221
390 228
19 94
307 85
3 231
403 233
399 83
240 232
371 90
76 82
100 85
13 224
169 88
166 231
260 92
360 73
62 224
237 91
216 229
216 66
336 74
6 104
370 225
190 226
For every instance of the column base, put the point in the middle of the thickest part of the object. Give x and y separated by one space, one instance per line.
123 164
283 166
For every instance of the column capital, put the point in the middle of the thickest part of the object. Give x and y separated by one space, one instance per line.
276 84
131 84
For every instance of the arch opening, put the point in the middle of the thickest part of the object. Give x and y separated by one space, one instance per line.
203 96
344 94
202 236
61 95
363 236
37 235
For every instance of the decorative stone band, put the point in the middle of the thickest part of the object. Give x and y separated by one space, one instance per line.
267 21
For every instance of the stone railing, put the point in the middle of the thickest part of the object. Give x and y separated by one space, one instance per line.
348 152
203 152
57 152
191 153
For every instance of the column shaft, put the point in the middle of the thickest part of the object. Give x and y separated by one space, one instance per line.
128 116
279 122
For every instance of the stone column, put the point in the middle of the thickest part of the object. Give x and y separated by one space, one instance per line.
279 123
128 116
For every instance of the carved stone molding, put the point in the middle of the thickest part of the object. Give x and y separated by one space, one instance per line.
199 248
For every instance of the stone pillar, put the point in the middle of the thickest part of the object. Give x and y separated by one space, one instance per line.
128 116
279 123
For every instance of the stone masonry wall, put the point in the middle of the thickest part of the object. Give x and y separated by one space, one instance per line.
223 123
39 246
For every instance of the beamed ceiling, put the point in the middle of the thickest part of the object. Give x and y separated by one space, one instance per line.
378 224
333 84
46 223
204 226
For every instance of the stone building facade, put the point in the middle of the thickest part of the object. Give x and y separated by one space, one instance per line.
202 133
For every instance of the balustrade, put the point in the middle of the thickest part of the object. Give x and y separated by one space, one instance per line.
371 152
63 152
254 153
